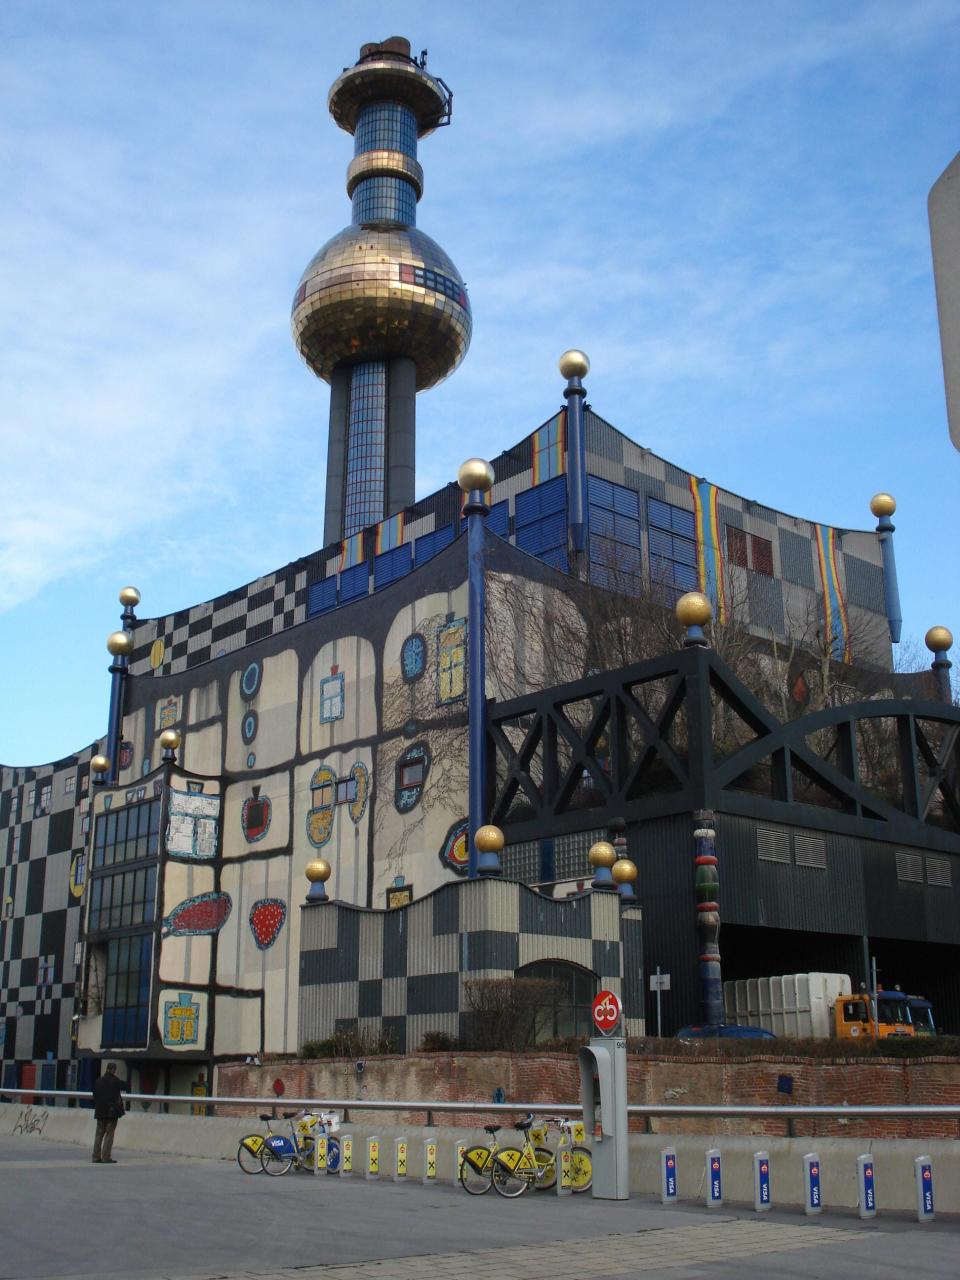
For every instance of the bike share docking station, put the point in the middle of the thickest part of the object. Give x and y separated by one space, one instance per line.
603 1095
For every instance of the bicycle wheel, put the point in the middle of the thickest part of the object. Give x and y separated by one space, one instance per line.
508 1178
276 1162
248 1153
475 1171
546 1169
581 1169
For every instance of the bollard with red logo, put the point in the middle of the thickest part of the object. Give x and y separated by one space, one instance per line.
668 1176
713 1191
761 1182
812 1199
867 1186
923 1173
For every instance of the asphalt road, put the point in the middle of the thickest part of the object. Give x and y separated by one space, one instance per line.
160 1216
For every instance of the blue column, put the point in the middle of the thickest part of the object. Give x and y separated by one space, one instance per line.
938 640
891 591
573 366
119 646
476 512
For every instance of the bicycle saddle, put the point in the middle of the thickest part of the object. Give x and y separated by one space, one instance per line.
288 1115
523 1125
492 1128
267 1116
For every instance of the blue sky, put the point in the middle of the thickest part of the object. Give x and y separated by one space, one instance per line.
724 205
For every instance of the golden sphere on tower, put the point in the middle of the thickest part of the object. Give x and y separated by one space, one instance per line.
883 504
602 854
475 473
574 364
318 869
129 596
120 644
170 739
99 764
624 871
694 609
938 639
488 839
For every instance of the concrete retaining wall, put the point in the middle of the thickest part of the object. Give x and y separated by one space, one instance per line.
218 1137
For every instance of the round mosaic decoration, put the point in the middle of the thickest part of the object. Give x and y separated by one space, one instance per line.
249 726
413 657
250 680
454 853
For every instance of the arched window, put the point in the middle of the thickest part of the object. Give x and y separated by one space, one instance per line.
566 1011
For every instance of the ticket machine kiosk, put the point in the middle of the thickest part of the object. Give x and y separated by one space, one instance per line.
603 1095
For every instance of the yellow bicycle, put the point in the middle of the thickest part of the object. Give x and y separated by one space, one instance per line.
511 1170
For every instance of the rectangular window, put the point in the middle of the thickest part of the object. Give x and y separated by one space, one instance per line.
736 546
127 991
346 790
548 449
69 784
747 551
614 513
451 661
322 795
412 773
331 698
31 796
761 553
45 967
117 834
15 844
938 872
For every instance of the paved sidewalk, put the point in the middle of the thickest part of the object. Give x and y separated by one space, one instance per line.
166 1218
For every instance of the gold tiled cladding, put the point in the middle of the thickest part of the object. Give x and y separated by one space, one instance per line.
354 306
386 80
392 164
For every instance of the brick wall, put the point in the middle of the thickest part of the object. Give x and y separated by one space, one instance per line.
543 1078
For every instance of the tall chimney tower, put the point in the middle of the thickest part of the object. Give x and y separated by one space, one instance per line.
381 312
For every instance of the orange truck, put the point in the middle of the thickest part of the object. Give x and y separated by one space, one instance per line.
824 1005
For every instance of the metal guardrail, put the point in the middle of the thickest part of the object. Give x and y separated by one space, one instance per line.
679 1110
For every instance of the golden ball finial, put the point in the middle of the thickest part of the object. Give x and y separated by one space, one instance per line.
602 854
694 609
120 644
939 639
129 596
624 871
476 473
170 739
100 764
488 839
318 870
574 364
883 504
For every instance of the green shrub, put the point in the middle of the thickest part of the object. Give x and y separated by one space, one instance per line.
438 1042
350 1043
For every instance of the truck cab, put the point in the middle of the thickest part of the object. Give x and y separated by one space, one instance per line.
853 1018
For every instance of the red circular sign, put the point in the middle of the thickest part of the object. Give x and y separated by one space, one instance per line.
606 1010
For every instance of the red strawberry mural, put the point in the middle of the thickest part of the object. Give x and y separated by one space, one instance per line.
207 913
266 920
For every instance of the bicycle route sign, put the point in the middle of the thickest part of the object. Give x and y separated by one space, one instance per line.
606 1010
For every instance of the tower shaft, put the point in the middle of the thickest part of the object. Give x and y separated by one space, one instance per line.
381 311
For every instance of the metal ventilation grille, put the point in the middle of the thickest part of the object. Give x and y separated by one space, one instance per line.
810 851
772 845
909 866
939 872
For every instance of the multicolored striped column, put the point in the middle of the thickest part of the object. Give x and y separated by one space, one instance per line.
707 881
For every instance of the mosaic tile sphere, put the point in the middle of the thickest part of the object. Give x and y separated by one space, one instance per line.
377 293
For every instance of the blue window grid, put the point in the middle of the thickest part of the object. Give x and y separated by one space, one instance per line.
322 596
429 544
391 565
664 515
541 500
354 582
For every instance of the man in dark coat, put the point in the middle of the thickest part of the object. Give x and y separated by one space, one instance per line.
107 1109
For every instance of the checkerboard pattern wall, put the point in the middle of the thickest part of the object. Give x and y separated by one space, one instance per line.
402 971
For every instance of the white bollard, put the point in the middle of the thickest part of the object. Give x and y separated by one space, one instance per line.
923 1173
812 1199
668 1176
429 1161
713 1190
867 1186
346 1155
373 1159
761 1182
400 1160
